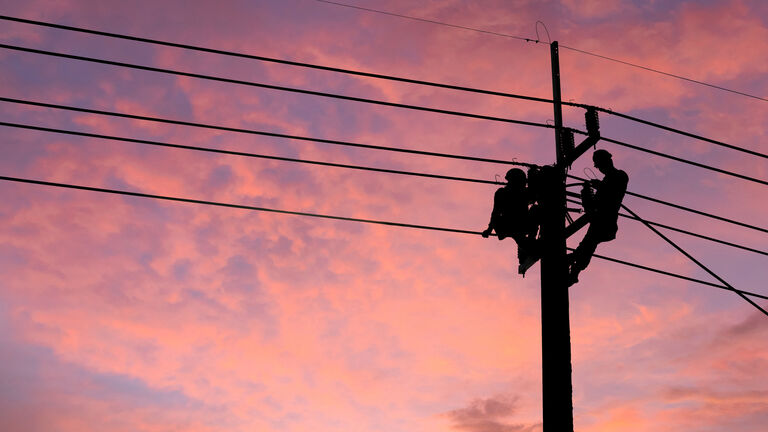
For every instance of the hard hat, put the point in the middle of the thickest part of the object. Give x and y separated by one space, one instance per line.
515 174
601 155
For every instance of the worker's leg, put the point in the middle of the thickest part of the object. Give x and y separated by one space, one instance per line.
583 254
580 258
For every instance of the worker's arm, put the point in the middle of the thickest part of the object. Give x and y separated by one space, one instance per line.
495 213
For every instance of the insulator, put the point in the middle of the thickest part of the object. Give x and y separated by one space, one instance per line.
593 121
566 141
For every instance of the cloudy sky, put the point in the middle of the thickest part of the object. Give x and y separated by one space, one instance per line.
131 314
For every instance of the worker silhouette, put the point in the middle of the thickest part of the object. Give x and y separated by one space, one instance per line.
511 216
601 200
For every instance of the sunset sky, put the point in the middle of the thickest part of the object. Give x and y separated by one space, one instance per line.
130 314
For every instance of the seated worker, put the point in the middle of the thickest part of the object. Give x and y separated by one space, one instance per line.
602 208
510 216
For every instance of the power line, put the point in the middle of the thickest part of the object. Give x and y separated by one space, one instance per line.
329 164
377 76
691 80
266 59
701 236
271 59
431 21
675 275
273 87
683 231
353 145
687 209
248 154
399 106
332 217
686 161
680 132
679 159
287 62
238 206
695 261
698 212
255 132
366 100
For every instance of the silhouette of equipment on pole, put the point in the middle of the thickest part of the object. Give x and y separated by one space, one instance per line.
533 212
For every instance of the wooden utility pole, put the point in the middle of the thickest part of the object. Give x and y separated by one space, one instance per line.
557 389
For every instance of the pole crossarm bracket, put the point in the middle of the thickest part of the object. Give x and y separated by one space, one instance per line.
578 224
570 230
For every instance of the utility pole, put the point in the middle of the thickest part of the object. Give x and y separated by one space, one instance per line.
557 389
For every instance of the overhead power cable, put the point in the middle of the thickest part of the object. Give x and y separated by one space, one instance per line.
681 231
681 132
274 87
335 165
238 206
686 161
695 261
377 76
412 18
679 159
691 80
687 209
675 275
332 164
323 216
273 60
353 145
248 154
255 132
371 101
701 236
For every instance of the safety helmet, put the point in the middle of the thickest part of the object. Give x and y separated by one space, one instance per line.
601 154
515 175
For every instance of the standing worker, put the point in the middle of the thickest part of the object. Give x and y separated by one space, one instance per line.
510 216
602 208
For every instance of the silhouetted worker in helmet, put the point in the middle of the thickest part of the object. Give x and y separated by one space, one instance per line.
510 216
602 207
